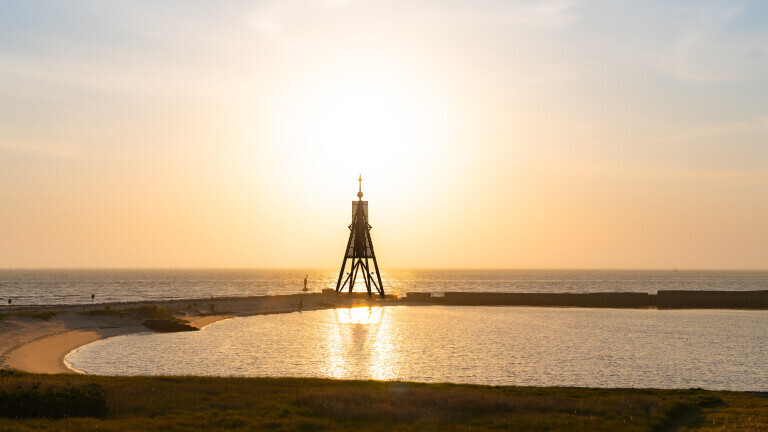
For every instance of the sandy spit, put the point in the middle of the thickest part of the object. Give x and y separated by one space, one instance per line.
39 346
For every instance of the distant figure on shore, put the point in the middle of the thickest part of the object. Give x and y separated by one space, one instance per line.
305 283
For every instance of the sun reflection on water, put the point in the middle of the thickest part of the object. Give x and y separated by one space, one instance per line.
472 344
364 334
359 315
385 353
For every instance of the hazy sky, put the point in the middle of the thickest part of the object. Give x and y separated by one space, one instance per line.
555 134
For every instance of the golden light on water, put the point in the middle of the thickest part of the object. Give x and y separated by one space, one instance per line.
359 315
386 354
363 333
335 360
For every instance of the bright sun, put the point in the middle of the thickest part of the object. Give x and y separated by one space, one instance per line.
371 120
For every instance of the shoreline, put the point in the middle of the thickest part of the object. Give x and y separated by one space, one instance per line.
33 342
36 339
74 344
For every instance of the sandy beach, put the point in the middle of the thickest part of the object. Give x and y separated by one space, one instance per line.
39 346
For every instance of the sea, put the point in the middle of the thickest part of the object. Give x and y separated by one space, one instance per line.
51 287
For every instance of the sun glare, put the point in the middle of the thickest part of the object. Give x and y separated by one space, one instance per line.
358 315
379 122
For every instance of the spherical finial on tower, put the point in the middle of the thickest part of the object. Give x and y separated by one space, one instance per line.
360 191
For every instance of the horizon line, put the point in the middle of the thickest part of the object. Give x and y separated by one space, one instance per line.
670 269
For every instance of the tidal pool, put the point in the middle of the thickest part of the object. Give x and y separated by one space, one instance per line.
712 349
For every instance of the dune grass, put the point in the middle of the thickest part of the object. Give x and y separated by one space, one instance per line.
200 403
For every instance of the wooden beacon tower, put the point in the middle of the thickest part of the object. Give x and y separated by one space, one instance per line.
360 249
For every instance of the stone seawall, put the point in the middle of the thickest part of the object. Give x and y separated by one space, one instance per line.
712 299
329 299
662 300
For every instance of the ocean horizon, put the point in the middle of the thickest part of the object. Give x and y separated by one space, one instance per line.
76 286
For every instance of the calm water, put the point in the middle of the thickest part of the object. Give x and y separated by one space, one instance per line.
76 286
484 345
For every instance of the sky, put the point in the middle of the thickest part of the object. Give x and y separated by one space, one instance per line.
489 134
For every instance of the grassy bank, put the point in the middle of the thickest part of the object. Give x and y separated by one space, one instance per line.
197 403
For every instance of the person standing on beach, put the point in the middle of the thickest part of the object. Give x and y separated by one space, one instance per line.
305 283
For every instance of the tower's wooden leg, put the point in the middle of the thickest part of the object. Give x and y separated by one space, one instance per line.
367 275
380 288
354 275
344 262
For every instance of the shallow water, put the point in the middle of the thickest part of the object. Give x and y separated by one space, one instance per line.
27 287
713 349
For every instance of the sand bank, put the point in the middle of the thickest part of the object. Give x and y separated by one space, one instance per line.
36 345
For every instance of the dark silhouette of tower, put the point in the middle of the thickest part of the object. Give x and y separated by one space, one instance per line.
360 249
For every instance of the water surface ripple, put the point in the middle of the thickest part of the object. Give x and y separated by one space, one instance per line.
712 349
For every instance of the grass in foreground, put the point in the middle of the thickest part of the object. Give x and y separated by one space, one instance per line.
199 403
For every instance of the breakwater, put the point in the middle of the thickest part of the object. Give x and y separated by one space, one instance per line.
330 299
251 305
661 300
